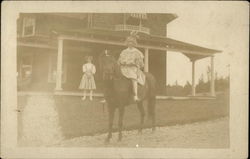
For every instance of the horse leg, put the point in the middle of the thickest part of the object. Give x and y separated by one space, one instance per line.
120 122
110 124
142 114
151 111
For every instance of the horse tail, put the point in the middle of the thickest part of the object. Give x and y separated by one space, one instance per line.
151 94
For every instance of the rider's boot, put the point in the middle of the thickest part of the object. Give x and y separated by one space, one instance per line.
135 86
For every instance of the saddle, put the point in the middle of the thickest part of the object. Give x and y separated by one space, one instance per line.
125 84
142 90
142 87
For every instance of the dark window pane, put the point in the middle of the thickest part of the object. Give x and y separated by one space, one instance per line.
28 30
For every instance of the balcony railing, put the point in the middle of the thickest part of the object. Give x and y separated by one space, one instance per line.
122 27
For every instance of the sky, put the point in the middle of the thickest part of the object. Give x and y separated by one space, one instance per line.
214 25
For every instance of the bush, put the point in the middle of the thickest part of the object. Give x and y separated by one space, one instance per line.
221 85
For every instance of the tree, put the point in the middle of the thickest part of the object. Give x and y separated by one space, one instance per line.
187 88
201 80
208 73
202 86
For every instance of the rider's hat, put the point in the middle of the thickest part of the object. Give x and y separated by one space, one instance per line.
132 38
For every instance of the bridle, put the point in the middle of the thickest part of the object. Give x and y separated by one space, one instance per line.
110 73
107 76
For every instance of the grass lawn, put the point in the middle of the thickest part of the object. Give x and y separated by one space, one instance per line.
79 118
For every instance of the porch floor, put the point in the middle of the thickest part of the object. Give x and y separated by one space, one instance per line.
80 93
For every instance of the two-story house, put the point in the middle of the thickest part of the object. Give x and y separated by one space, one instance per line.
51 47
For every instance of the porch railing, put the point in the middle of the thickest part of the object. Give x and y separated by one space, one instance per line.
122 27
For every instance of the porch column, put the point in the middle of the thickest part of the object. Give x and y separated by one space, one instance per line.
59 65
193 77
166 82
212 88
146 60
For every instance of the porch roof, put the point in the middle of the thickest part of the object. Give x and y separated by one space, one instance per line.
192 51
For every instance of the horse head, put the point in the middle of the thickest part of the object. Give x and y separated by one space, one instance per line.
108 66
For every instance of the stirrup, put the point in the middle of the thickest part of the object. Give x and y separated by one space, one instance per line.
103 101
136 98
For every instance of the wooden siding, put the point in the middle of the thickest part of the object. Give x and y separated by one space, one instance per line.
106 20
157 25
45 23
40 68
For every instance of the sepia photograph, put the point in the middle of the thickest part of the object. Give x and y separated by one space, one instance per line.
126 79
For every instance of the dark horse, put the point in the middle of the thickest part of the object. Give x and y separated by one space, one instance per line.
118 94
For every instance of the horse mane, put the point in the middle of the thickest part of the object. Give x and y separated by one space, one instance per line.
111 59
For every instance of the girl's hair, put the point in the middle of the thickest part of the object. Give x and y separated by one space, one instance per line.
88 58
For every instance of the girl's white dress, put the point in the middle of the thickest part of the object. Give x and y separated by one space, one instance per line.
131 61
88 81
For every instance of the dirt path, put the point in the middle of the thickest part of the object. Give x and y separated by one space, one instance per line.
40 123
209 134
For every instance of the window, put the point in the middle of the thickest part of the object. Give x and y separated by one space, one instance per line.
53 70
24 75
139 15
133 21
136 19
28 26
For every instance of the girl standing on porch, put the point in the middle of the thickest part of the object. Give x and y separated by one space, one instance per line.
88 81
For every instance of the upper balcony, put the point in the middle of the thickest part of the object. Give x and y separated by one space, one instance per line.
125 27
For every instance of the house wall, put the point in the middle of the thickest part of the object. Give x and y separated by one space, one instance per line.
106 20
157 24
74 61
72 58
45 23
40 71
40 68
157 66
19 26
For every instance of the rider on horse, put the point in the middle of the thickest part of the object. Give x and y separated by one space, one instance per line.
116 78
131 62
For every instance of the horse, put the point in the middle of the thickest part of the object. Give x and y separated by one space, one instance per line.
118 94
